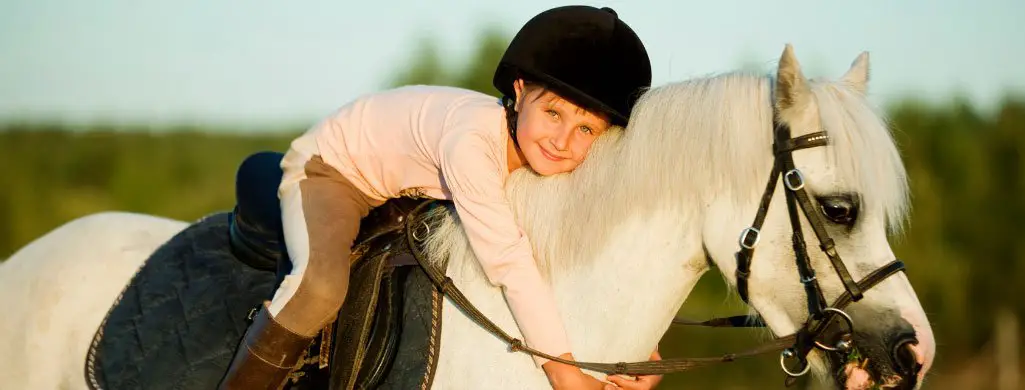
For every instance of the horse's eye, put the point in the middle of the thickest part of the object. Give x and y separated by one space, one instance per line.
840 209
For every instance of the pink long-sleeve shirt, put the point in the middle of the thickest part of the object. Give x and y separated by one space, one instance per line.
447 143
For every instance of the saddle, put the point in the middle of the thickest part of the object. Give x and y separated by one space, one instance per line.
178 321
391 306
385 283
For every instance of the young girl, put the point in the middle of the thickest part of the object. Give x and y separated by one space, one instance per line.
569 74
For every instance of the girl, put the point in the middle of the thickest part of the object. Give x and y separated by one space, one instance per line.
567 75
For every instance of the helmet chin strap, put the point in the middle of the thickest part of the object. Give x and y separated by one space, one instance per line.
510 118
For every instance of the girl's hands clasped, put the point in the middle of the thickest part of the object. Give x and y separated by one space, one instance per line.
642 382
566 377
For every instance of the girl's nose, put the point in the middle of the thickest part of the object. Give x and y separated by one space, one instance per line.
561 139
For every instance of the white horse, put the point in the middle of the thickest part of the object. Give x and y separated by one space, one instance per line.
623 239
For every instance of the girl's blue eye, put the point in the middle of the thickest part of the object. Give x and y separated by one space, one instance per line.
553 114
586 130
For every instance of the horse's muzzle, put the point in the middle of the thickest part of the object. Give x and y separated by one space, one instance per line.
884 357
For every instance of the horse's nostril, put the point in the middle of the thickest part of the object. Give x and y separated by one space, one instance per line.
904 356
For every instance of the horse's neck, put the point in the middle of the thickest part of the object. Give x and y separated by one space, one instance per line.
617 303
620 272
618 307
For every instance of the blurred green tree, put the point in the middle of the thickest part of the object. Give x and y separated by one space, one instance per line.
425 66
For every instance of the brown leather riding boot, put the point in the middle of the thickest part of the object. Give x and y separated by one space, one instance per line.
267 354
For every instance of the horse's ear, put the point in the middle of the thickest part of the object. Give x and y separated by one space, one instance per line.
791 86
857 76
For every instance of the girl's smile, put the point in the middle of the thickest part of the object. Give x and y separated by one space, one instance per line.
554 134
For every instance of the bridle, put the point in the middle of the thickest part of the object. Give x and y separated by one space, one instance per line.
819 315
795 346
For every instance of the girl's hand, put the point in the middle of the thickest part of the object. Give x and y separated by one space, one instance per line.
643 382
567 377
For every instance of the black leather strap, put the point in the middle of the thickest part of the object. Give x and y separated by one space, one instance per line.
741 321
825 242
750 239
787 145
816 300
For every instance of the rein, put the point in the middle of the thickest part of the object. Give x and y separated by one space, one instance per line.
793 346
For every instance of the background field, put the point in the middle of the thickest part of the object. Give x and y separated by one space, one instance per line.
964 246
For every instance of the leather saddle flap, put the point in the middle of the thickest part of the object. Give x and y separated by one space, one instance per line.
357 317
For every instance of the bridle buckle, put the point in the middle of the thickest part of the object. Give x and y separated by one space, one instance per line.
750 234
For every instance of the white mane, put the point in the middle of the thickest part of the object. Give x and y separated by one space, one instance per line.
686 143
863 150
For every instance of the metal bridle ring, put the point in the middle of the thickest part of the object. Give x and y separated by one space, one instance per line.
850 325
800 178
782 364
426 226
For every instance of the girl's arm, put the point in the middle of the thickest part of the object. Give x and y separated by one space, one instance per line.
472 170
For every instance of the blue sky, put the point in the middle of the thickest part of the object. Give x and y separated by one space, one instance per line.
261 63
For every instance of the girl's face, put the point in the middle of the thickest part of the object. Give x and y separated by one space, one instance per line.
554 134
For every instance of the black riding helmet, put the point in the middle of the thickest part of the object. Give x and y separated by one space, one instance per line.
585 54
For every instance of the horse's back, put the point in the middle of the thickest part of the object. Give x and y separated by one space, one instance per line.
57 289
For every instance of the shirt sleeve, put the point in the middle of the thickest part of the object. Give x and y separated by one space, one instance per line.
472 172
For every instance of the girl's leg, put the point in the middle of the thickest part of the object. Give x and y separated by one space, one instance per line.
321 212
321 216
255 230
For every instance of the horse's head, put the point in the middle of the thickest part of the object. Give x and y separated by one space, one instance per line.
846 186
